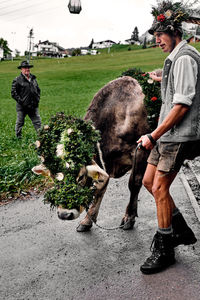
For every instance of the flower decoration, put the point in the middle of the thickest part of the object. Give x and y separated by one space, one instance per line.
169 15
161 18
151 90
66 145
154 98
150 81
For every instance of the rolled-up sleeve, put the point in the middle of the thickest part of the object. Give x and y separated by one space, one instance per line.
185 79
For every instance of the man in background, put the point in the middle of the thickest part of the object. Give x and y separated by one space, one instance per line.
26 92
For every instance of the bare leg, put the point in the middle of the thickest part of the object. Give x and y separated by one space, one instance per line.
164 202
158 184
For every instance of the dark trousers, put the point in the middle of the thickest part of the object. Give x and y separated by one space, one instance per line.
33 115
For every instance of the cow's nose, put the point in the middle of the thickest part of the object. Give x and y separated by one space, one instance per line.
66 215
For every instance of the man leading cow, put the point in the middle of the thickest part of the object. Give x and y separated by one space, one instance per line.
177 136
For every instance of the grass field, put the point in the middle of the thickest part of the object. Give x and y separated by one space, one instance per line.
67 85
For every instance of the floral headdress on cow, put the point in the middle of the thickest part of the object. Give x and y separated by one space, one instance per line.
64 146
168 15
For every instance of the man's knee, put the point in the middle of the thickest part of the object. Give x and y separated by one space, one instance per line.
147 184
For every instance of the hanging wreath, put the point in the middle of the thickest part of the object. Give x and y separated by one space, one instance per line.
64 146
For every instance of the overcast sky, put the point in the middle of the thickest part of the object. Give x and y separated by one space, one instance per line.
50 19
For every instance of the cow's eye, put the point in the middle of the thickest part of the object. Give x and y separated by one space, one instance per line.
80 178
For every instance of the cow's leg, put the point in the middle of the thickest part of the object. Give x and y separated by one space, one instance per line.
93 210
135 183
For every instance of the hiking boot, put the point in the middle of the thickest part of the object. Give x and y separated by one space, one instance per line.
182 233
162 254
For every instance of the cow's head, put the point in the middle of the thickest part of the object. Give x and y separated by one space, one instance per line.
66 148
91 176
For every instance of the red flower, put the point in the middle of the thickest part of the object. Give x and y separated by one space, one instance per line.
154 98
161 18
144 74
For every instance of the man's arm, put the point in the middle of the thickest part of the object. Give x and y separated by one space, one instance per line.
174 117
14 91
185 78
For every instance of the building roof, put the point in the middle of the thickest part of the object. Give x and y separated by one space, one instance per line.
106 41
47 42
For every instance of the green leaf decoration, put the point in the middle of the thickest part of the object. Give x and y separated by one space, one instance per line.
77 141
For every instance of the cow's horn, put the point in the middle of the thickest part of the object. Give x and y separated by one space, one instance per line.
41 170
94 171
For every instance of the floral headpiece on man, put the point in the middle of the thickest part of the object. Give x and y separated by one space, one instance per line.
168 15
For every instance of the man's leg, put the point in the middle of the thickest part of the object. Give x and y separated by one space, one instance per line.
163 251
35 118
19 123
182 233
164 202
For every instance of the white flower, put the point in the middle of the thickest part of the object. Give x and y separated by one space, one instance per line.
59 176
37 143
67 165
168 14
60 151
46 127
41 158
69 131
150 81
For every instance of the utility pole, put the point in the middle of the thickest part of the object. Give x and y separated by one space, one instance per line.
13 44
30 37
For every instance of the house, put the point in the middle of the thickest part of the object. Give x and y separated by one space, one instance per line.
84 51
194 39
88 51
131 42
1 53
50 49
93 52
103 44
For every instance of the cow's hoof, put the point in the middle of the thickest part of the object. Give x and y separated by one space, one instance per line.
127 225
83 228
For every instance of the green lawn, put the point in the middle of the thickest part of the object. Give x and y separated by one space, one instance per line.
67 85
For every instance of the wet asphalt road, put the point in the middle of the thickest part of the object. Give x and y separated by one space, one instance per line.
42 257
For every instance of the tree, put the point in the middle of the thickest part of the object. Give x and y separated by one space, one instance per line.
135 35
17 53
144 46
4 46
76 52
91 44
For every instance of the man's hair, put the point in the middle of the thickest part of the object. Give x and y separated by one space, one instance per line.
174 33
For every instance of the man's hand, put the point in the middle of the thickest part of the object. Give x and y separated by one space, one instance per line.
146 142
154 76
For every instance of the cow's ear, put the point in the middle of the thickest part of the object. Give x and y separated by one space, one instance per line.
41 170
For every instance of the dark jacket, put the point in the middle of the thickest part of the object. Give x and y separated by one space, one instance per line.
25 92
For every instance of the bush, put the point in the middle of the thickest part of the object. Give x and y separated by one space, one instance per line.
152 92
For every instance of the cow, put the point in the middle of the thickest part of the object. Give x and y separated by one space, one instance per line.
119 113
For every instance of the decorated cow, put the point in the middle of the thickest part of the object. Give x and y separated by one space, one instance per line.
81 155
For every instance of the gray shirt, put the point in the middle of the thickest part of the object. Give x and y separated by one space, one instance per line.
184 82
181 85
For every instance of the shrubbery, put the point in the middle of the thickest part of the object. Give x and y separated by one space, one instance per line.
151 90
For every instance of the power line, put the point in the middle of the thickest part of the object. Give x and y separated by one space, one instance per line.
28 14
11 5
21 9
